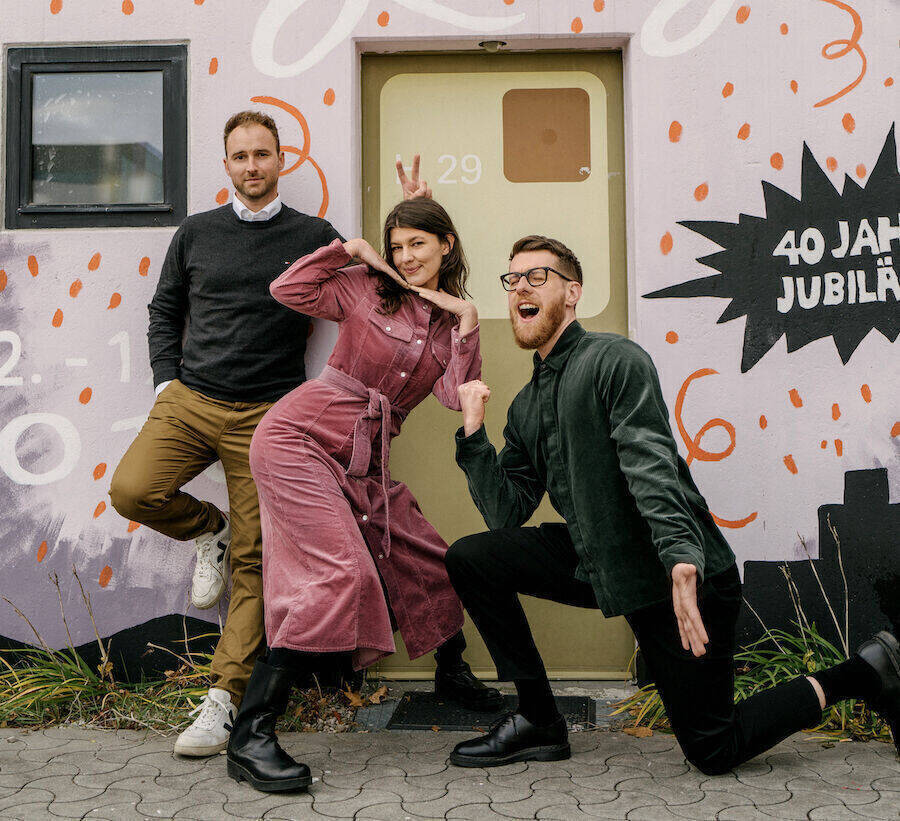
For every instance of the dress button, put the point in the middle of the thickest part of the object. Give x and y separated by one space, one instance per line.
463 339
381 555
418 342
365 518
387 328
403 374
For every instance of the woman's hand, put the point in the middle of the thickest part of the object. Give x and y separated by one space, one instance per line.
361 250
412 188
462 308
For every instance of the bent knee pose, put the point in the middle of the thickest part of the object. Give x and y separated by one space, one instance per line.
222 352
591 429
347 552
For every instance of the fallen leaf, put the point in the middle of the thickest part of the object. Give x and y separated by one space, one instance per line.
355 699
639 732
435 728
379 695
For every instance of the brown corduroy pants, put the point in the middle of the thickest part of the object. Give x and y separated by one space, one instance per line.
184 434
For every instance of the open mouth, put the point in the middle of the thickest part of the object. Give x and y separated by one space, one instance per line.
528 310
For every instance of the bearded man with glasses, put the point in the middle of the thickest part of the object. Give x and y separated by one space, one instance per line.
592 430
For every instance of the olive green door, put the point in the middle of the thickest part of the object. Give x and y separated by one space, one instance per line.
511 144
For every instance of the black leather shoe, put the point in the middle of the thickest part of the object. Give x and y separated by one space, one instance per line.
459 685
254 754
882 653
514 738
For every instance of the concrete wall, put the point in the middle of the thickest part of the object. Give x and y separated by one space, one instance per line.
772 402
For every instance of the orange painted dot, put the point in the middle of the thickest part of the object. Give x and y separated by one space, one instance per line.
214 65
763 422
675 131
848 122
671 337
838 447
599 5
222 196
127 7
509 2
85 396
888 82
114 301
328 98
57 318
866 392
742 14
98 511
831 162
42 551
3 280
383 19
33 265
94 264
796 401
794 86
895 431
860 171
105 576
144 266
132 526
835 411
100 470
727 89
776 161
823 444
790 464
784 28
665 243
701 192
55 6
744 131
198 2
75 288
577 25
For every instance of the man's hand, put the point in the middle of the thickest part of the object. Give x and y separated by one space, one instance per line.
412 188
472 398
684 599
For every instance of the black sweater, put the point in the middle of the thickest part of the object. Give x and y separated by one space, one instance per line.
240 345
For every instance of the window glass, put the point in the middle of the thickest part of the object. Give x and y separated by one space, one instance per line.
97 138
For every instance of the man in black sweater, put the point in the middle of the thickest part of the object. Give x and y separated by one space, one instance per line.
222 351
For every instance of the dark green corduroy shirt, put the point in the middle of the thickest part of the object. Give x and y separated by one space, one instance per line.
592 430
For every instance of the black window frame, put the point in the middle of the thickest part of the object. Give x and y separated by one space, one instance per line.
23 63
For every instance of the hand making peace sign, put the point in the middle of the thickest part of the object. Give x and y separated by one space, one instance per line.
412 188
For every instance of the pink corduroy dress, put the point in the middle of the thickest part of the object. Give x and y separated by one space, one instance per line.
340 539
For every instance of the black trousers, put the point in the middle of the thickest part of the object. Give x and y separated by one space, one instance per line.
489 570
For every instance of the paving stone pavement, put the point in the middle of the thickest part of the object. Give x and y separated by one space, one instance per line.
72 772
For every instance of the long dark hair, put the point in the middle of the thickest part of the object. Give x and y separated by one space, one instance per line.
424 215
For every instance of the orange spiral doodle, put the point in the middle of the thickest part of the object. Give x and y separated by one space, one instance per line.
302 153
844 48
693 443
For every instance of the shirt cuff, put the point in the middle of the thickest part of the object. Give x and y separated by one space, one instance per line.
470 445
466 342
684 554
162 386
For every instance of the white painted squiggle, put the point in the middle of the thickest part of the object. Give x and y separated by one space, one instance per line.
276 13
653 38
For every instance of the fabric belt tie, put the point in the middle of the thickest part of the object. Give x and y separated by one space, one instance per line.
379 408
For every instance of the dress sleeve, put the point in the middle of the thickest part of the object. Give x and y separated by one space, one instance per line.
321 285
464 366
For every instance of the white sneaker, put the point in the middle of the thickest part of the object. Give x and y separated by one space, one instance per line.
208 734
209 573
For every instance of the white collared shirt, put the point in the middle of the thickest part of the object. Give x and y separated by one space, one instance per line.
264 213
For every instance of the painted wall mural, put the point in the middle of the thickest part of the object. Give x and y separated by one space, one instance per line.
761 168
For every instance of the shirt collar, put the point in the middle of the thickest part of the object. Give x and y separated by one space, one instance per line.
265 213
564 346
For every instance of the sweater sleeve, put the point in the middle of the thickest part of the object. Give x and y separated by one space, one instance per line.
168 310
648 457
506 488
464 366
320 284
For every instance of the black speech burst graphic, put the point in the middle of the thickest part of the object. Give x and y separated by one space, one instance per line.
843 267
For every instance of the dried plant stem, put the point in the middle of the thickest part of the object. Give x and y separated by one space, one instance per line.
762 624
105 666
840 558
842 635
54 579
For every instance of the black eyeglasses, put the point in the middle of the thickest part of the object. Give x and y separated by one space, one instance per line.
535 277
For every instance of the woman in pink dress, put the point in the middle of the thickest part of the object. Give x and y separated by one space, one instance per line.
347 555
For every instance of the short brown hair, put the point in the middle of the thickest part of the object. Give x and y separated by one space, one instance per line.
567 260
251 118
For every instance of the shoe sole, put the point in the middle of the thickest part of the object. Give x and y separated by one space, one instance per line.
554 752
239 774
481 707
194 751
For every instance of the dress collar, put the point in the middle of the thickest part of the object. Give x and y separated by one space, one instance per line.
265 213
564 346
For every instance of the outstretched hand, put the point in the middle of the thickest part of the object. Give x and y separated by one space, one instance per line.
412 188
364 252
684 599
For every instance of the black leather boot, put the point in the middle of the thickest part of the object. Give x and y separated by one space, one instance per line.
882 653
455 681
514 738
253 751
